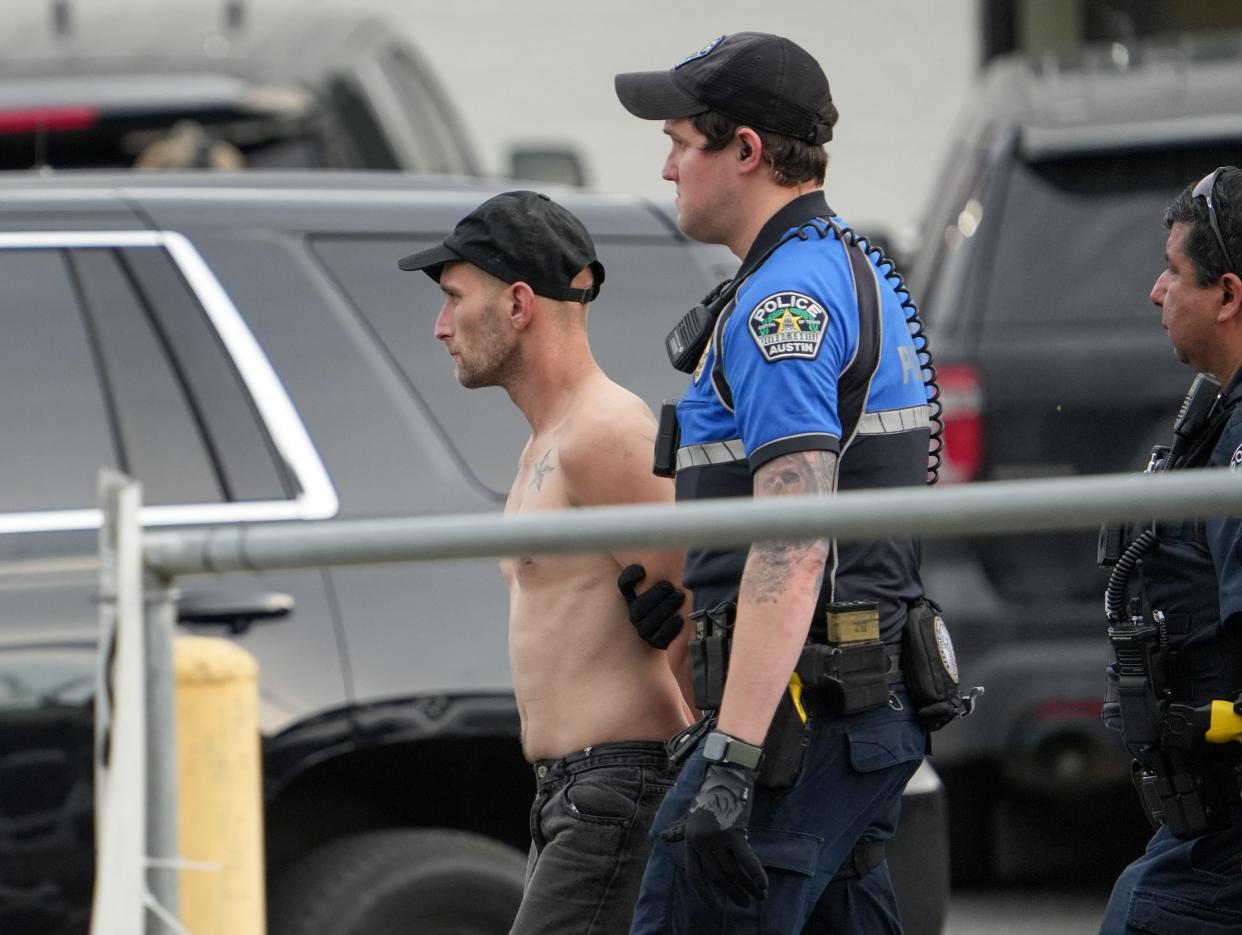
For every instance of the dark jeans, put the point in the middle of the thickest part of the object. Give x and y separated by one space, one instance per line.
589 845
1181 887
850 789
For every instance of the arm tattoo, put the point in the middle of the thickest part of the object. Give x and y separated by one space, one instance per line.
773 565
802 472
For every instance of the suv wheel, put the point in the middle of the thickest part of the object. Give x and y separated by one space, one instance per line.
971 789
396 882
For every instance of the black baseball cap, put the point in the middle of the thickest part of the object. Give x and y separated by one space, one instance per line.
519 237
762 81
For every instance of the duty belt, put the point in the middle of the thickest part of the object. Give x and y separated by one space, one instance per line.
808 663
851 677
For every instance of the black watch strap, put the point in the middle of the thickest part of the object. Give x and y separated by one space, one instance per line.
719 747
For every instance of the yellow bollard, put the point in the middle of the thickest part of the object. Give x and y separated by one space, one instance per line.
220 810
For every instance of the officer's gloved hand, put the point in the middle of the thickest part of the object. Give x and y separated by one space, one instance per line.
654 612
719 859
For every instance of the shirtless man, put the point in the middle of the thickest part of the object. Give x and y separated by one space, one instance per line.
596 701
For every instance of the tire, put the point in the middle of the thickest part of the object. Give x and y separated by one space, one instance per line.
918 855
406 882
971 789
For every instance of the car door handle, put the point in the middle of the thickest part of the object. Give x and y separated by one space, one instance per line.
234 611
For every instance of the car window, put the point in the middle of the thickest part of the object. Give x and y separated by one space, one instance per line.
241 450
113 362
157 140
50 389
1065 221
359 126
432 134
156 427
649 286
937 270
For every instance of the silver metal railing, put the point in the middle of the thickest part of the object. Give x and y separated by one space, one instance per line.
1031 506
148 617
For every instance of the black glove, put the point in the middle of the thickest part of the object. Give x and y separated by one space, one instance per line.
654 612
719 859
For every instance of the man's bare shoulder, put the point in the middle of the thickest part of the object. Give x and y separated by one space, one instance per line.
606 447
607 410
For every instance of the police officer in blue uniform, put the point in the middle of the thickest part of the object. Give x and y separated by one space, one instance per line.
1175 603
806 379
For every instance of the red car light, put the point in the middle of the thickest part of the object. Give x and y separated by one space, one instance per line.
961 395
47 119
1068 709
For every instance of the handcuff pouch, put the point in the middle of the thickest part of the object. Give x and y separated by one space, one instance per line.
853 676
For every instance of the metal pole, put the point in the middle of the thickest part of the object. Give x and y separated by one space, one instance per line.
119 902
1030 506
159 621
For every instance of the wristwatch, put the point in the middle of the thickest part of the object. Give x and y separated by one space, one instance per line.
721 748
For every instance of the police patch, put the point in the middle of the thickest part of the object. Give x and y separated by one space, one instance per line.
788 325
701 52
1236 459
944 644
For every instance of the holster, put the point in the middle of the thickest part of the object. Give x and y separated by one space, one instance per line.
784 747
709 653
1174 799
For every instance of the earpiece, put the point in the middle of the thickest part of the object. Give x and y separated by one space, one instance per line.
745 152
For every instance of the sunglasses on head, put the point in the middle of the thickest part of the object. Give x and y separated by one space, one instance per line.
1206 189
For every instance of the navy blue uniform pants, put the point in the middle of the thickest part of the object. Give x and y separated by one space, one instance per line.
1181 887
850 789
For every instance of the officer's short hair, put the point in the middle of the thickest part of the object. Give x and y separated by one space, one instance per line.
792 161
1200 244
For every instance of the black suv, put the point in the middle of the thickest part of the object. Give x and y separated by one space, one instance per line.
1040 247
247 348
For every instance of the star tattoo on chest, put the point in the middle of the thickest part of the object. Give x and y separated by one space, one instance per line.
541 470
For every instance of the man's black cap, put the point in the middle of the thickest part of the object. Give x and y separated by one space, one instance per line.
519 237
759 80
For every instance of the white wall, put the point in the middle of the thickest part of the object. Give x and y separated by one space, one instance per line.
543 69
530 70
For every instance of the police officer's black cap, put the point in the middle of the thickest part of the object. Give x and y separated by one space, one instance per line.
756 79
519 237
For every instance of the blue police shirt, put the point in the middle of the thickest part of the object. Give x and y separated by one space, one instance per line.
792 331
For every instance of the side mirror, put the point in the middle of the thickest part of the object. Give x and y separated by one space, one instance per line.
234 611
557 164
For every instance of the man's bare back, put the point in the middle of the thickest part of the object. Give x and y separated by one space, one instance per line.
581 675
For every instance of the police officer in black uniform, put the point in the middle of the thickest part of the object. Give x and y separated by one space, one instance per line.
1175 603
